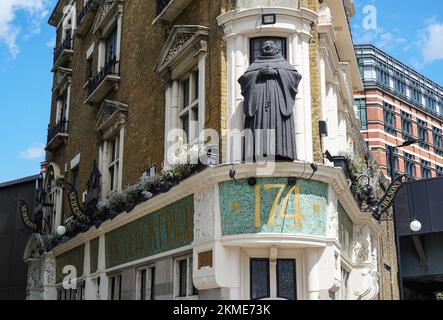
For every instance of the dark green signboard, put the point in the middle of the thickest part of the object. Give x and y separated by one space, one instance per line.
169 228
75 258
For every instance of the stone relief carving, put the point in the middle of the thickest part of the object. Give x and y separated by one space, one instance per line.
50 271
180 41
325 16
204 203
362 247
35 279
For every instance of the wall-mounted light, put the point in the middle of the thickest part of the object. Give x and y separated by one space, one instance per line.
415 225
252 181
269 19
323 128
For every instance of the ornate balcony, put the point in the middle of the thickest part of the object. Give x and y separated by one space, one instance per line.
106 80
57 134
86 16
63 53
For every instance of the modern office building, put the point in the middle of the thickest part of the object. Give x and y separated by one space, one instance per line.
397 105
135 80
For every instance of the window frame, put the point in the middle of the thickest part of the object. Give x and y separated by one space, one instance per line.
191 292
187 111
149 282
389 116
409 160
115 287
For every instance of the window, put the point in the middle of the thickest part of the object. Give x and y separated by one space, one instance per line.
146 283
344 288
286 282
423 133
114 162
75 177
388 162
409 165
183 284
439 171
111 159
257 45
383 77
389 117
189 107
72 294
406 126
416 95
115 287
425 169
437 137
53 198
283 276
431 103
360 104
260 287
111 51
399 83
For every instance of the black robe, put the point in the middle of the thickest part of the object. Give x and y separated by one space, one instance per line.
269 105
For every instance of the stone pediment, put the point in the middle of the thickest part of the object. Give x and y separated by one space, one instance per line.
182 42
62 79
111 116
107 10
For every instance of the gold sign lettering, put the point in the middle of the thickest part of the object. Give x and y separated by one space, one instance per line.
294 191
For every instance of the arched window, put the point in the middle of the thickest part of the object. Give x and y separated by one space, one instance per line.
52 202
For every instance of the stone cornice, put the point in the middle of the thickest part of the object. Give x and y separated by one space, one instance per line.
245 21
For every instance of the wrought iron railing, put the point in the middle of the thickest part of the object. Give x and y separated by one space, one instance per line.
86 8
60 127
110 68
65 45
161 5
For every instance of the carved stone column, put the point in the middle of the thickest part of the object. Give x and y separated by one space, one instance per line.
49 279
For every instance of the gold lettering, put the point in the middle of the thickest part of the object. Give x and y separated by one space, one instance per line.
267 187
295 190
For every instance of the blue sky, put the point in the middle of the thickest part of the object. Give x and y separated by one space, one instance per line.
413 34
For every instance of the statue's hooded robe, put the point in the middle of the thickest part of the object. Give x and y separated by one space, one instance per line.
269 104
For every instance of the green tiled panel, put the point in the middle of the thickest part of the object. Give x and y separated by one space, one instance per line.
93 253
239 202
169 228
74 257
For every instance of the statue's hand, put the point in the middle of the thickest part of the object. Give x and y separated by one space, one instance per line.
268 73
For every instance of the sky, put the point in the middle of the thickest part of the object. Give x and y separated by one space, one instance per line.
411 33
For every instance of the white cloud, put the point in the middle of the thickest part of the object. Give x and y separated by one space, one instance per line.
433 43
9 31
35 151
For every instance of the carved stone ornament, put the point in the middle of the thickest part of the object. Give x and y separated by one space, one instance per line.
111 113
184 41
105 11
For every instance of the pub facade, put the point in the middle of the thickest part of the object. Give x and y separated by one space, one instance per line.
147 192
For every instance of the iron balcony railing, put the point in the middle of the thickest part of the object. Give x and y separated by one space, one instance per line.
61 127
161 5
65 45
86 8
110 68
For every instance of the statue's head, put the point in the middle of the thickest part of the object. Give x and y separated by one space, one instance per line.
270 48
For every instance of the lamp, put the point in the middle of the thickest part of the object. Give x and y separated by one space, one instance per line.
61 230
269 19
415 225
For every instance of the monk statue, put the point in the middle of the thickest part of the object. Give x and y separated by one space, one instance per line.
269 88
